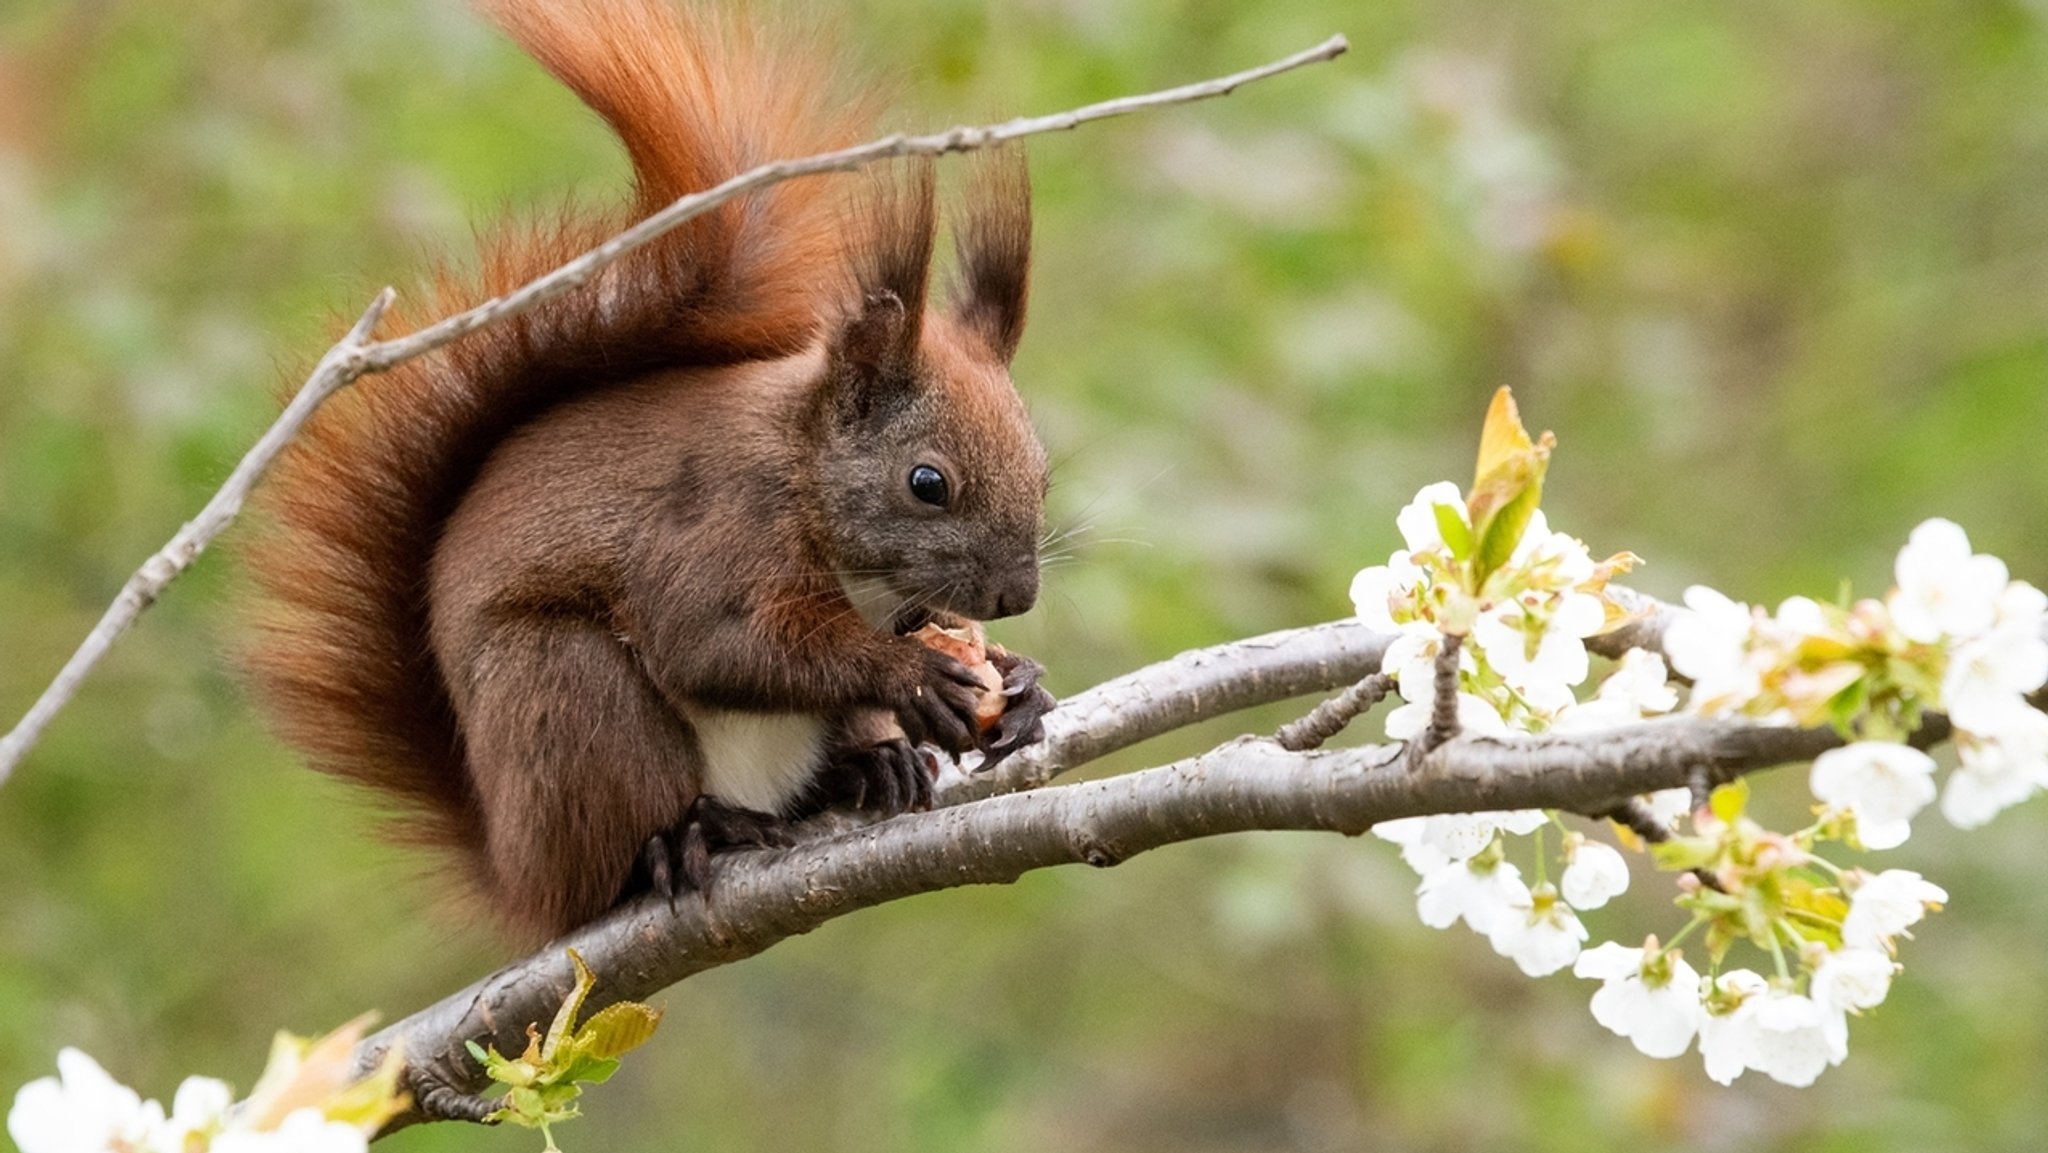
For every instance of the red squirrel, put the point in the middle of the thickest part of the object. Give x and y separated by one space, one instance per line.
595 593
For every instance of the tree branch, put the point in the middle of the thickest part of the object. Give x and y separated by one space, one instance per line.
761 898
356 355
1204 683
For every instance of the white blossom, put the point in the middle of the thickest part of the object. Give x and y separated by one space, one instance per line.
1597 874
1552 560
1792 1039
2022 606
1476 716
1408 832
1593 716
1547 646
1546 700
1882 783
1411 660
1997 770
1373 590
1852 980
81 1110
198 1109
1709 642
1728 1028
1989 676
1536 534
1538 932
1417 521
1457 836
1669 806
1943 589
1478 894
1638 687
1800 617
1883 906
302 1131
1657 1011
1642 681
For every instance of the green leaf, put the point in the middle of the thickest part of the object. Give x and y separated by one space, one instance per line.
1507 486
1682 853
618 1029
1729 801
544 1083
1504 531
565 1018
1456 533
590 1070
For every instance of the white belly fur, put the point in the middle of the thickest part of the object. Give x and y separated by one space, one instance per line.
760 761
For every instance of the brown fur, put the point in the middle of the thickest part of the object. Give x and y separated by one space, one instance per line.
499 579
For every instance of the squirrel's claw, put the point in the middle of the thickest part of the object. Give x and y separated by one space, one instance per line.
1023 719
437 1100
938 708
886 778
678 860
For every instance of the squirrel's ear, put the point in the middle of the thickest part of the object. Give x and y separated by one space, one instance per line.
879 339
892 263
994 242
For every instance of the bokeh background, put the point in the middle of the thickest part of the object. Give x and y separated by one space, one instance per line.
1776 274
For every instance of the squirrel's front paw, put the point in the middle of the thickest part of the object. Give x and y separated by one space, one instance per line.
1023 719
937 706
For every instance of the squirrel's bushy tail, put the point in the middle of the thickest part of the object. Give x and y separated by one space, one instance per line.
341 658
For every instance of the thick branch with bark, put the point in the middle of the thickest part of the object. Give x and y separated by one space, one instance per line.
995 831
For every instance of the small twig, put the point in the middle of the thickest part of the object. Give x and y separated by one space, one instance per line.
1329 718
1700 783
1636 816
1443 709
356 355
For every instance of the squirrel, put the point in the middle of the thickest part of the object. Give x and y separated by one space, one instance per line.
593 594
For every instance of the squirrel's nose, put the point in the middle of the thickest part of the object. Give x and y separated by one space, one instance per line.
1019 592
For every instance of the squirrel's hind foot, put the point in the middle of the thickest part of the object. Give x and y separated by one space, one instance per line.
678 860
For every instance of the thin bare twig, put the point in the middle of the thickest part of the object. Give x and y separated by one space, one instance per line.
356 355
1329 718
1443 707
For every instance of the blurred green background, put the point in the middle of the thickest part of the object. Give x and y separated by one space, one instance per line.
1775 274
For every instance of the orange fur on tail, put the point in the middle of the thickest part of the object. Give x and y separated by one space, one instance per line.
356 505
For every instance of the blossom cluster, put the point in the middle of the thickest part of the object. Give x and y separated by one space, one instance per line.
1744 1021
306 1101
1467 877
1955 636
1835 941
1524 627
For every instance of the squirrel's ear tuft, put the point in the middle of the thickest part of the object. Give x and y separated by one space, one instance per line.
891 267
994 242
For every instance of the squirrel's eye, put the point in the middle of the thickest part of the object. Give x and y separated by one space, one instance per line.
929 485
